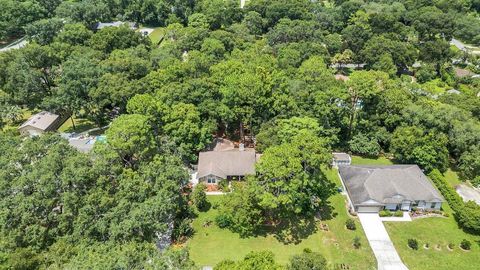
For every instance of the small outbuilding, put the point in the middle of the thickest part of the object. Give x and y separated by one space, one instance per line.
394 187
40 123
341 159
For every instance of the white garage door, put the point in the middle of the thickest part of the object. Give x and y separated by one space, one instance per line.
368 209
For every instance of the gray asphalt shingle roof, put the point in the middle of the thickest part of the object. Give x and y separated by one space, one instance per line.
225 163
42 120
387 184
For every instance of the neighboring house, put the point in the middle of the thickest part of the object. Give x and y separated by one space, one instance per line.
394 187
340 159
101 25
40 123
225 162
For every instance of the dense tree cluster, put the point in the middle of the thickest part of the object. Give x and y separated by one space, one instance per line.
60 203
301 77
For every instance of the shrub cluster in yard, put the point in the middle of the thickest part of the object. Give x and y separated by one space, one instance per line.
356 242
467 214
350 224
385 213
413 243
199 197
465 244
388 213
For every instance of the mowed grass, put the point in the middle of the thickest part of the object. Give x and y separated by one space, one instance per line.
435 231
211 244
81 125
358 160
157 35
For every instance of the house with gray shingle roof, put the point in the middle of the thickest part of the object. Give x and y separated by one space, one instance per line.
395 187
225 162
40 123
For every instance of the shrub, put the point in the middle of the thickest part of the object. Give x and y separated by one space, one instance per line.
465 244
223 185
385 213
398 213
199 197
356 242
466 214
413 243
350 224
451 245
223 221
365 146
182 230
306 261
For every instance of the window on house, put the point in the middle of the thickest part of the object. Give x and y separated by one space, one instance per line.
211 180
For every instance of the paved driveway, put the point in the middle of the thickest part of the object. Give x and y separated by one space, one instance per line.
468 193
382 246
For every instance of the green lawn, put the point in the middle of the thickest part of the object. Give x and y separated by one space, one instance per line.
157 34
211 244
81 125
434 231
358 160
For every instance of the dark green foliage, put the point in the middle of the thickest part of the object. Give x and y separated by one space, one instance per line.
199 198
240 211
76 198
182 230
43 31
465 244
350 224
356 242
425 73
308 260
414 145
223 185
261 260
385 213
413 244
363 145
467 214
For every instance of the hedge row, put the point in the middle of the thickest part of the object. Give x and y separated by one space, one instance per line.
467 214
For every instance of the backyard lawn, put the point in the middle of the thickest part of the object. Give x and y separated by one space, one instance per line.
157 34
81 125
358 160
211 244
434 231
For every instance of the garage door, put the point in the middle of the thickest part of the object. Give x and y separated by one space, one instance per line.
368 209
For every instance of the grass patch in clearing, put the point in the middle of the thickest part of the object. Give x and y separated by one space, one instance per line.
358 160
211 244
157 35
81 125
434 231
452 178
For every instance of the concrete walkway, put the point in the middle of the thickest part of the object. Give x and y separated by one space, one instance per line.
382 246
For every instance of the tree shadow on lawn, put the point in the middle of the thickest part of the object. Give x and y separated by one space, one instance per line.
297 228
294 230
